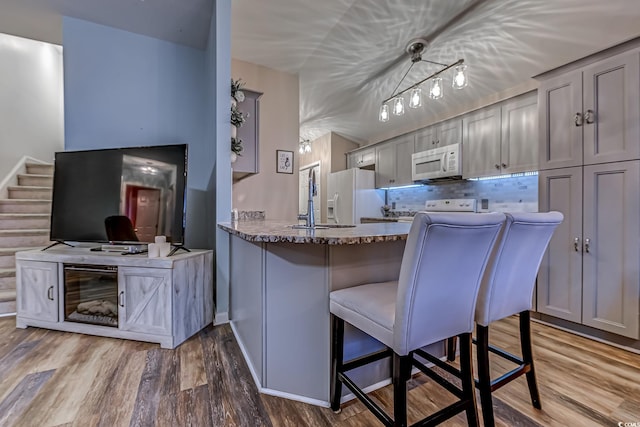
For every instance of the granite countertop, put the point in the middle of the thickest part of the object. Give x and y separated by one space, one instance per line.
281 232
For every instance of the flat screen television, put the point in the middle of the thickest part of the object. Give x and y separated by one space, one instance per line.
139 187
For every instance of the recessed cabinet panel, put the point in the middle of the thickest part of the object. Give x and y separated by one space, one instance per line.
450 132
519 145
404 150
612 110
426 139
560 115
611 278
559 288
481 143
386 165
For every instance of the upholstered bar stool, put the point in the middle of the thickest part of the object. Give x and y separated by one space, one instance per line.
507 289
434 298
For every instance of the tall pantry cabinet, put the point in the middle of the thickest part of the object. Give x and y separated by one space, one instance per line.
589 117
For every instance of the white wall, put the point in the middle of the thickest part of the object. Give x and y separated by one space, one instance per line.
31 101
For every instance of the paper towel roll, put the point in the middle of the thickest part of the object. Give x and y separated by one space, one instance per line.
164 249
153 250
161 239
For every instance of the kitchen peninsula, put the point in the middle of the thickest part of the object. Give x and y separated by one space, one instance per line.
280 279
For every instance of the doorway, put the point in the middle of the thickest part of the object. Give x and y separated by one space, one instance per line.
143 208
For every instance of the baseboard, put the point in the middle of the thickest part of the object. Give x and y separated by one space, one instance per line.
221 318
7 308
296 397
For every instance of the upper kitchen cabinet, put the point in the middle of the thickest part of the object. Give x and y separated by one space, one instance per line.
364 158
590 115
481 143
441 134
393 161
249 161
519 144
502 138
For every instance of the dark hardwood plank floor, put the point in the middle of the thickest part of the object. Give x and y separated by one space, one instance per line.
50 378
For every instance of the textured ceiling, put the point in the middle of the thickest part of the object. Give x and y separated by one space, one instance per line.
348 53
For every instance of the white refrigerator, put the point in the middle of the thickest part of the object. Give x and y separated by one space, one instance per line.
352 195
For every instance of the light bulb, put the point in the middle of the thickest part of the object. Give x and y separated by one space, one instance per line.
436 88
460 79
384 113
301 149
398 106
415 100
307 147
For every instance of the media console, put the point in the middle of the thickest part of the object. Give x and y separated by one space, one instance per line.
160 300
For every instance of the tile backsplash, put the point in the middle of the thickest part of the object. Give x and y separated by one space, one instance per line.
515 194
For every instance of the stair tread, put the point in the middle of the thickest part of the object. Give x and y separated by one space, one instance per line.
24 215
7 272
23 232
34 175
7 295
29 187
7 201
10 251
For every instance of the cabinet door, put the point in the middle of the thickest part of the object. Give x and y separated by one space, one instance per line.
481 143
144 300
367 157
425 139
249 133
449 132
385 165
559 289
560 135
404 149
37 290
519 147
611 280
612 109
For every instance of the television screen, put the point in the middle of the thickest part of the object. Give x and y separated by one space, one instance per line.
122 195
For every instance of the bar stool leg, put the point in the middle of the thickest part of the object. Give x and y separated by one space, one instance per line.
527 357
451 349
401 374
468 383
484 375
337 353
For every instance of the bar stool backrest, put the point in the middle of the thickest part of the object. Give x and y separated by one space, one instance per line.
442 266
507 286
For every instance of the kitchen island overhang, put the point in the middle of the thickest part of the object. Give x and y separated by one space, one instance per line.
280 280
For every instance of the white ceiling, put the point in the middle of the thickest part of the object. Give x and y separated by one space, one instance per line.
347 53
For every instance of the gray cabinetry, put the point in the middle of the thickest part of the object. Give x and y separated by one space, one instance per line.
249 133
590 273
439 135
362 158
519 143
481 143
38 297
393 162
591 115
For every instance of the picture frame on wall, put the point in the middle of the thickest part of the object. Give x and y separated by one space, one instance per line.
284 161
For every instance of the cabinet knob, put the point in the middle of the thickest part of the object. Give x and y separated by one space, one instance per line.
587 242
504 165
578 119
576 244
497 166
589 116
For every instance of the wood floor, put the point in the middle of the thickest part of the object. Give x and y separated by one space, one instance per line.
50 378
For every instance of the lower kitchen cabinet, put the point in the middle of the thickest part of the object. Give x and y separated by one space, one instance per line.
590 273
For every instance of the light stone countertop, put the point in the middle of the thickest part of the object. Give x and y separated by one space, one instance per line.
282 232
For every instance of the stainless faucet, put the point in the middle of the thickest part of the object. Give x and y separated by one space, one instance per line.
309 217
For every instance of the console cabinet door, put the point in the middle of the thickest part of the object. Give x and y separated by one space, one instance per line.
144 300
37 290
611 280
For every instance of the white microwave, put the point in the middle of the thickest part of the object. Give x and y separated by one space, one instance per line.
437 164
